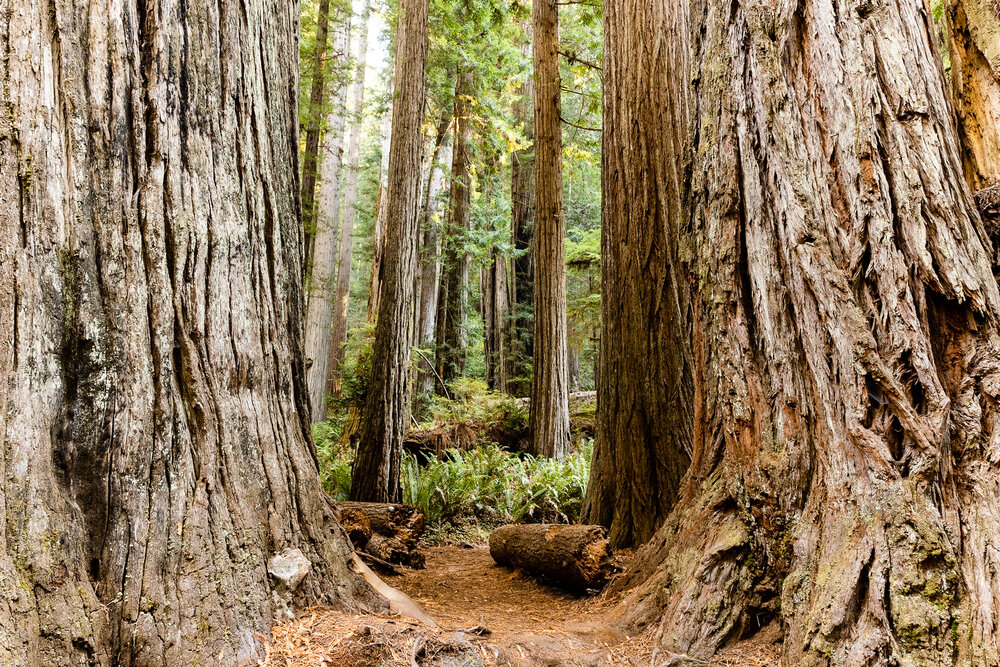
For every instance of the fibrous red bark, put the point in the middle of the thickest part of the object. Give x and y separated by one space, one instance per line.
154 446
843 341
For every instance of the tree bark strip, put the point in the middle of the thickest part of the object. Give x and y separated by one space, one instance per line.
310 156
154 449
549 383
973 36
386 411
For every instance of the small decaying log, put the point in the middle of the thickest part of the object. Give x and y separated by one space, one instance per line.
358 526
573 557
388 531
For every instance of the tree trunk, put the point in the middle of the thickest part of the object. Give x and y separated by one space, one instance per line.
345 254
549 415
154 446
644 421
381 213
522 211
453 297
310 156
429 259
574 557
973 36
495 290
320 301
386 411
843 338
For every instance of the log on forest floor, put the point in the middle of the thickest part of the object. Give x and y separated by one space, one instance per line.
388 531
576 558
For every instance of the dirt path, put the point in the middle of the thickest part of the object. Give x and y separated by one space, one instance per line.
487 615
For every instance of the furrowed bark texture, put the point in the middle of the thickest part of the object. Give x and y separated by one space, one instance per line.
345 251
844 346
376 468
154 444
549 416
522 222
973 30
453 296
644 424
320 302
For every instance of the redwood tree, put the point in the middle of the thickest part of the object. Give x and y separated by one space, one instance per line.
549 413
843 338
386 410
644 424
453 294
154 444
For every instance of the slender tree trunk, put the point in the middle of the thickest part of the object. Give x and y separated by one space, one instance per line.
644 421
310 157
973 36
495 290
320 302
429 258
549 415
154 446
843 337
522 209
376 467
453 297
345 254
381 213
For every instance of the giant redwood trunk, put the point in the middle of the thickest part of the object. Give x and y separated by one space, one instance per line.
549 414
453 294
843 341
154 445
644 424
314 123
973 36
376 468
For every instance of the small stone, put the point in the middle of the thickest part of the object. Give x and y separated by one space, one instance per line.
289 567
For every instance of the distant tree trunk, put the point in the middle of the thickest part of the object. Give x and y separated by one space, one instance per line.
381 213
376 467
843 339
320 300
549 413
345 254
643 440
154 445
973 36
496 294
314 118
429 258
453 297
522 209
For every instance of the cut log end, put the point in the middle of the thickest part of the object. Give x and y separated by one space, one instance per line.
577 558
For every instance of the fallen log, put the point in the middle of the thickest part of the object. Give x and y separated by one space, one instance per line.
357 525
573 557
394 530
390 519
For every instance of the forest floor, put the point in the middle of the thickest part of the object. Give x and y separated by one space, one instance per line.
487 615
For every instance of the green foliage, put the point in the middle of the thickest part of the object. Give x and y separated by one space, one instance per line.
491 486
334 458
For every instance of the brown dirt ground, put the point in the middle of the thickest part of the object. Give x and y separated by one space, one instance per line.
487 615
